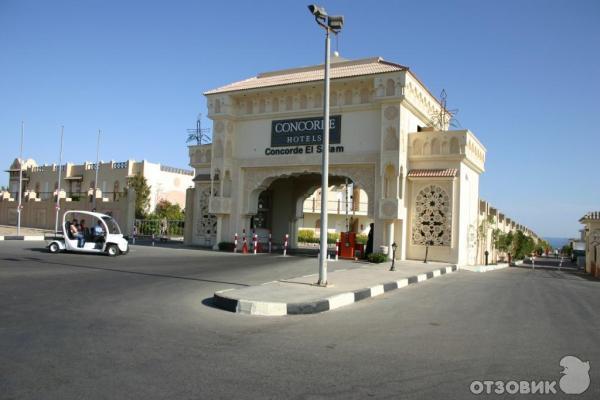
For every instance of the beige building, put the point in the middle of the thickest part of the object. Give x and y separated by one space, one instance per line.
41 181
389 139
490 220
591 232
420 181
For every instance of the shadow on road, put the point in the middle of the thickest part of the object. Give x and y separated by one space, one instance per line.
34 259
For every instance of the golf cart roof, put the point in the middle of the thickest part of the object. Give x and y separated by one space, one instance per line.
93 214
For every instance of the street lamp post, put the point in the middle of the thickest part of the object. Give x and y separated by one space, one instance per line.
394 247
331 24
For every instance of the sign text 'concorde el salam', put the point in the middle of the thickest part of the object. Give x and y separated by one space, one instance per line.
304 131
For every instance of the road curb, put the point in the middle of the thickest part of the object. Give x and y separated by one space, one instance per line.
254 307
21 237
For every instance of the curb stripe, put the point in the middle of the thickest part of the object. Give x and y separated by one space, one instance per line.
331 303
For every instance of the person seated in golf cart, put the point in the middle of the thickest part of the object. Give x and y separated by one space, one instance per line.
76 233
98 230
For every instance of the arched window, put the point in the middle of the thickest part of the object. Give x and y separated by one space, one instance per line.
318 100
364 95
435 146
249 106
289 103
390 188
333 99
417 147
348 97
390 87
303 102
275 105
432 217
261 105
454 146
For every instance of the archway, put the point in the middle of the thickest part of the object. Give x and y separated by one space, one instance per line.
290 203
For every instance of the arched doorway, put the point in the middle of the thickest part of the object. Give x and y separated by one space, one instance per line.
286 204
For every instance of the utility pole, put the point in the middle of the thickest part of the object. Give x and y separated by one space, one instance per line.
20 181
97 166
62 131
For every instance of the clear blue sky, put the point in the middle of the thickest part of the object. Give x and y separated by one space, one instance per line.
524 75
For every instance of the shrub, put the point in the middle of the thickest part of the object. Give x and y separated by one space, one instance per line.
377 258
360 238
226 246
306 236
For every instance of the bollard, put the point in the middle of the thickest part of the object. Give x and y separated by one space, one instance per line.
153 240
235 243
285 244
270 243
255 243
337 249
244 242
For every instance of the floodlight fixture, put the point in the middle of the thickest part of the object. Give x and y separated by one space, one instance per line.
335 23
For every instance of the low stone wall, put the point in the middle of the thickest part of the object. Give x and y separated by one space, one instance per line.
41 214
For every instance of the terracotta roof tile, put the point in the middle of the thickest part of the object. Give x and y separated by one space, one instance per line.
342 69
433 173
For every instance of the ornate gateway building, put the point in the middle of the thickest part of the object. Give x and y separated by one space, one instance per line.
389 139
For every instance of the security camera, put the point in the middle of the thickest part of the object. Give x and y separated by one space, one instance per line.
318 12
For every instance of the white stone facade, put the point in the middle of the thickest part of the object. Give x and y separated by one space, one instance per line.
421 181
41 182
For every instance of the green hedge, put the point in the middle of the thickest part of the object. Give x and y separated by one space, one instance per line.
308 236
377 258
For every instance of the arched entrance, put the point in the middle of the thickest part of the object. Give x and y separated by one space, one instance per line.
279 203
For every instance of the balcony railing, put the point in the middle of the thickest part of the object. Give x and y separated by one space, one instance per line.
313 205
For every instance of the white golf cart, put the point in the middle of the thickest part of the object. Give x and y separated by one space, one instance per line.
102 235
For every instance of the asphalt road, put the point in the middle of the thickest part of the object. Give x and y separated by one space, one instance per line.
142 327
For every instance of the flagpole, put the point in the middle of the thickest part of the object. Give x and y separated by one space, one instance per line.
20 181
97 168
62 131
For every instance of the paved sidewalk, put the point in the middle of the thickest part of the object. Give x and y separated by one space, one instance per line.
346 286
9 232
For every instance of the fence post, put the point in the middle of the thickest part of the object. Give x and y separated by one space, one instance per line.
285 244
235 239
337 249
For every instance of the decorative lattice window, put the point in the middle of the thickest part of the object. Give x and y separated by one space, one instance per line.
207 223
432 218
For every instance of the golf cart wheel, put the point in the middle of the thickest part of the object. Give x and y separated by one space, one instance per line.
112 250
53 248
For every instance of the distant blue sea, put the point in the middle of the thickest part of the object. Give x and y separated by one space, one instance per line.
557 243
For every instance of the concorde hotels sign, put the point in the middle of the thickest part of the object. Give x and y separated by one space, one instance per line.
303 136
